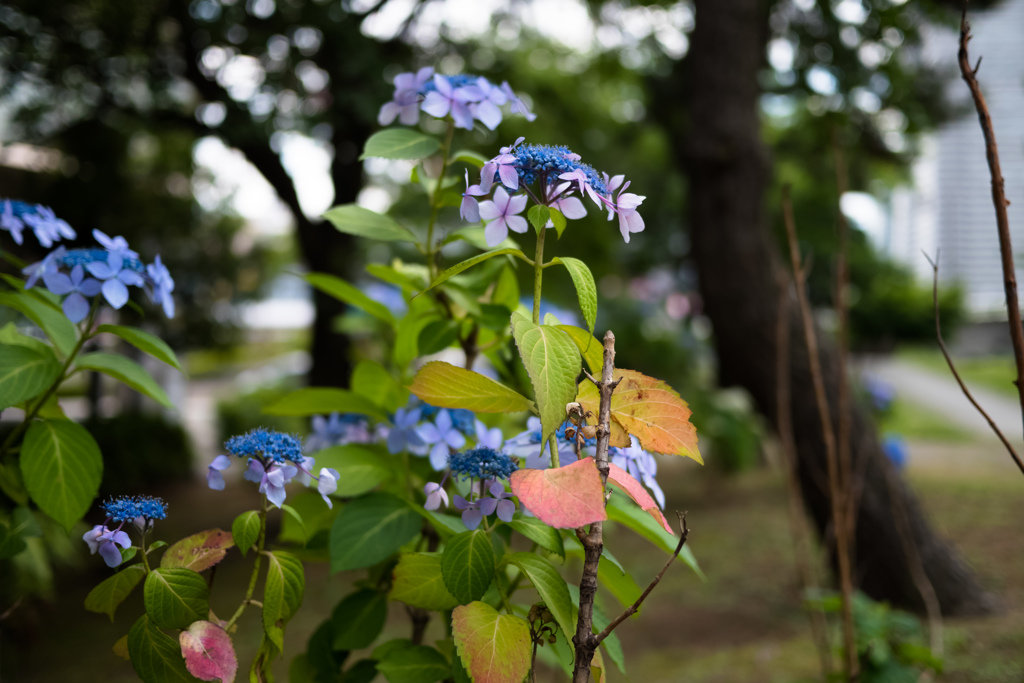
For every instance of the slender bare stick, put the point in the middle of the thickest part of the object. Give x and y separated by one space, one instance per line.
797 521
850 664
999 201
684 532
593 541
952 368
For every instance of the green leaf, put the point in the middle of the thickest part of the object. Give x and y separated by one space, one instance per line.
371 380
358 619
619 584
246 530
467 565
146 342
416 664
62 467
446 386
395 277
558 219
474 235
11 543
470 262
324 400
625 512
538 216
470 157
553 362
407 332
104 598
417 581
369 529
282 594
586 288
10 336
590 348
25 373
437 336
315 517
127 371
61 331
293 515
155 656
549 584
198 552
343 291
540 533
495 648
361 468
400 143
355 220
176 597
506 290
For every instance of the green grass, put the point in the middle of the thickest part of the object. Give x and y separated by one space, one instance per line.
990 372
915 422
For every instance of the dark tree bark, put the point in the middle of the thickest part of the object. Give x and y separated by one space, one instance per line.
713 117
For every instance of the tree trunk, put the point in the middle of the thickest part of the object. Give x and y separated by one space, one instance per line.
716 88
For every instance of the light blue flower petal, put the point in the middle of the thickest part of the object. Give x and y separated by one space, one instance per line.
115 293
76 307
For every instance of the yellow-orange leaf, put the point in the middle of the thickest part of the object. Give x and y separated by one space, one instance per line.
650 410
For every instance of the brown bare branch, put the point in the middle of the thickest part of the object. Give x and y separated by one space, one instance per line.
952 367
1000 203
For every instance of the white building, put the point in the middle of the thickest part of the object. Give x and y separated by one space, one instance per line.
949 207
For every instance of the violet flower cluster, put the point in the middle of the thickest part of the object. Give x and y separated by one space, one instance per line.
480 465
464 97
274 459
105 538
551 176
16 216
80 274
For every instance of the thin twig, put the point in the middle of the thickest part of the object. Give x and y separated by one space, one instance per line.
850 663
797 521
684 531
952 368
1000 202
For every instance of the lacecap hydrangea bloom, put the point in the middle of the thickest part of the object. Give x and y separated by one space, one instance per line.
464 97
274 459
80 274
105 538
551 176
16 216
480 465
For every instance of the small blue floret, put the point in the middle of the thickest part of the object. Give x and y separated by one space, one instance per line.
482 463
267 444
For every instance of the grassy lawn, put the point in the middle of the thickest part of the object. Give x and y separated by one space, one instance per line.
990 372
914 422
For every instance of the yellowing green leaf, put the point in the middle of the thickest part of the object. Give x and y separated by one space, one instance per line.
590 348
494 648
417 581
446 386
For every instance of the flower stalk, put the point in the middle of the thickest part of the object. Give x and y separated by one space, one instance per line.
256 566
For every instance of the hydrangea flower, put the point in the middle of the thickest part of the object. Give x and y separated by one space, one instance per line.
464 97
15 216
113 268
538 456
404 435
274 459
555 177
641 465
441 435
436 495
337 430
141 511
474 511
489 438
482 463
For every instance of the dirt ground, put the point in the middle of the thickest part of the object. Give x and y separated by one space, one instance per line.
743 624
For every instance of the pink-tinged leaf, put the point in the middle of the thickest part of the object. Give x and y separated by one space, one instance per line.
199 551
564 498
208 652
625 481
650 410
494 648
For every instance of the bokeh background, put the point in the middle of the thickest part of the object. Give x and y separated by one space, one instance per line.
216 132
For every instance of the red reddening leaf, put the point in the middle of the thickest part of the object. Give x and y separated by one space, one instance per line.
565 497
625 481
198 551
650 410
208 652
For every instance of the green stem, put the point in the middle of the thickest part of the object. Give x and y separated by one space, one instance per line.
256 567
142 550
31 414
553 443
435 203
538 272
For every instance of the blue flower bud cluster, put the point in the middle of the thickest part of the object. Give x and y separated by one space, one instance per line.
551 161
83 257
482 463
126 508
266 444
